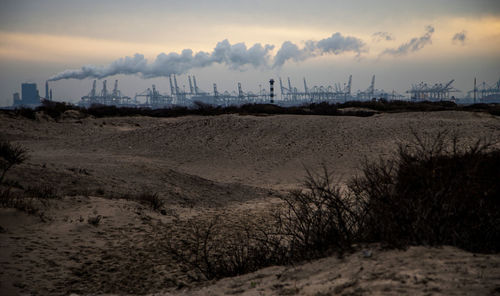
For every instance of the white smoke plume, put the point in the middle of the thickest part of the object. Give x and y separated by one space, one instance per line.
236 56
413 45
460 37
335 44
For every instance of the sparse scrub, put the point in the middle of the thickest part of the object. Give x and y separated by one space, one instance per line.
43 193
435 192
56 109
152 200
19 201
309 224
10 155
94 220
29 113
220 248
317 220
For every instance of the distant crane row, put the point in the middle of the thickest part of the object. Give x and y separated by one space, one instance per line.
290 95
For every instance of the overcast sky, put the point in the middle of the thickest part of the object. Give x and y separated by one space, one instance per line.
401 42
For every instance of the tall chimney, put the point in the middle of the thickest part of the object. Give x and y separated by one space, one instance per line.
475 90
46 90
271 90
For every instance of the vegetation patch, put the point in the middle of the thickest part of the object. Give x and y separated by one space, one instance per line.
435 191
56 109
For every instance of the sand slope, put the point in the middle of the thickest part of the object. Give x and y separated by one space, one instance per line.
416 271
201 166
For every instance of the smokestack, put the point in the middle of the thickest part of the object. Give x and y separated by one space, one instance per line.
46 90
475 90
271 90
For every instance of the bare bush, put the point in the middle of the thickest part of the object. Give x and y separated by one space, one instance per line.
10 155
152 200
94 220
435 192
318 219
43 193
309 224
219 248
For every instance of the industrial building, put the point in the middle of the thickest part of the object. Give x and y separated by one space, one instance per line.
29 96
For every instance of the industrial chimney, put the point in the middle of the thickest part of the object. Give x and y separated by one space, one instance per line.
271 90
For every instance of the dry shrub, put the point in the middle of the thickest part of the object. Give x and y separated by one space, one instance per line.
10 155
43 193
318 219
220 248
150 199
94 220
309 224
436 192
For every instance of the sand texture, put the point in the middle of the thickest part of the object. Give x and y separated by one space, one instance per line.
200 167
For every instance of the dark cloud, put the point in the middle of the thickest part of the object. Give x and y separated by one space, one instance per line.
382 36
413 45
460 37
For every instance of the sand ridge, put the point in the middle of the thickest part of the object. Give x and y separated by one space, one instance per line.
202 166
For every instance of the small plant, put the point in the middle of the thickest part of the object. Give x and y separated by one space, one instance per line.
152 200
43 193
435 192
220 248
10 155
94 220
318 219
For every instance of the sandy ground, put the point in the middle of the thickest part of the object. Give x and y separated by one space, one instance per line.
201 166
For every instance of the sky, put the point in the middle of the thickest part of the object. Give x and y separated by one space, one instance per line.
225 42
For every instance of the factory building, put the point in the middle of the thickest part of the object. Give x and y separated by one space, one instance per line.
29 96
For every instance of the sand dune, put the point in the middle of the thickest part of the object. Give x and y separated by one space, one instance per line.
201 166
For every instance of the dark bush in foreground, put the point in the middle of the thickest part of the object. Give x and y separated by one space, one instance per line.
152 200
10 155
433 193
220 248
317 220
310 223
56 109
